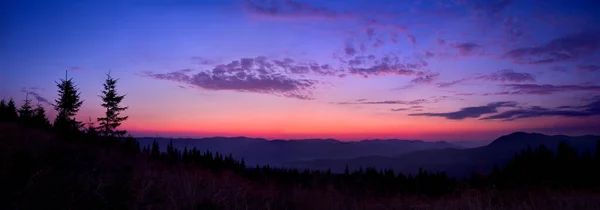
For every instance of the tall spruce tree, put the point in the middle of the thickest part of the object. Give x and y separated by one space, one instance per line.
39 117
67 105
111 101
2 110
26 111
11 111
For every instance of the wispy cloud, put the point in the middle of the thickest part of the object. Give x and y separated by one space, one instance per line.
536 89
468 48
470 112
569 47
590 109
508 75
413 102
290 9
590 68
34 91
505 75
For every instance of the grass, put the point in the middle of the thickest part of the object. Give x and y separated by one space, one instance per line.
41 171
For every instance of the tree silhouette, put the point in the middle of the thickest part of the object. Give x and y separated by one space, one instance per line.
39 117
11 111
67 105
26 111
2 110
111 100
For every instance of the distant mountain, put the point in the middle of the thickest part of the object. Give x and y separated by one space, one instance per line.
455 162
277 152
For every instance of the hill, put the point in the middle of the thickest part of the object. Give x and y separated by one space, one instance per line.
454 161
277 152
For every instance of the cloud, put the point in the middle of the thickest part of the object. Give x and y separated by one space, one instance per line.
33 91
448 84
349 49
366 66
559 68
413 102
76 68
508 75
590 109
535 89
569 47
590 68
467 48
470 112
441 41
413 108
259 75
426 78
203 61
411 39
289 9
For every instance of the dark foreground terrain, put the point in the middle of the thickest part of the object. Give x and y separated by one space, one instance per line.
43 170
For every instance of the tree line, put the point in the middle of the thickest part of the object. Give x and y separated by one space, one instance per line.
537 168
67 105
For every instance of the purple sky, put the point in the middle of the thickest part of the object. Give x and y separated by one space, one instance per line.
352 69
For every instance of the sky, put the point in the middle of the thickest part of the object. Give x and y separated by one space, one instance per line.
350 70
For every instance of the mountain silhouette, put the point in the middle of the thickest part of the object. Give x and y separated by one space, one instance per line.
455 161
277 152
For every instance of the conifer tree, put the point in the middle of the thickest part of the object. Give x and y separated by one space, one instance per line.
111 100
11 111
39 117
2 110
26 111
67 105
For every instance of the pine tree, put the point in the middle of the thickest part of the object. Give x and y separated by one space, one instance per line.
2 110
39 117
11 111
111 101
26 111
67 105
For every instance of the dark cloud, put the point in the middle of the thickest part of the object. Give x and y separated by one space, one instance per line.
259 75
590 109
508 75
570 47
470 112
288 8
399 109
535 89
467 48
591 68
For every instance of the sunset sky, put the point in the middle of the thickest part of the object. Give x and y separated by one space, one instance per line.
347 69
